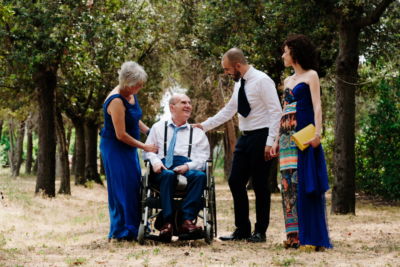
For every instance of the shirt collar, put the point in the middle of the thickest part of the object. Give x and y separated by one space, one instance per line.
248 73
170 122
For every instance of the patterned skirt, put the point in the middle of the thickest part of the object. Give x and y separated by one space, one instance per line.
288 168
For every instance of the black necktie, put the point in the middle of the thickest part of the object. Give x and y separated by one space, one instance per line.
243 104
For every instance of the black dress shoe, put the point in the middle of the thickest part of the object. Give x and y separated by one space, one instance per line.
166 233
235 236
257 237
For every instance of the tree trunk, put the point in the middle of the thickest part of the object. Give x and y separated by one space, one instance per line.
102 170
80 156
343 192
68 137
73 161
229 147
65 185
16 152
35 166
1 127
91 168
29 146
213 138
11 136
46 81
16 146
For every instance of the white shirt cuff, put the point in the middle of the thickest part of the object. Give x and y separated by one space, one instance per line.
204 125
191 165
155 161
270 141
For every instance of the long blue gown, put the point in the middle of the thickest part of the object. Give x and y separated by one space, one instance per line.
312 178
123 172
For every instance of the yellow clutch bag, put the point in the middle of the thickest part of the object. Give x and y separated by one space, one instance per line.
303 136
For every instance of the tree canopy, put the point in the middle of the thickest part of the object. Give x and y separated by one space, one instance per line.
63 57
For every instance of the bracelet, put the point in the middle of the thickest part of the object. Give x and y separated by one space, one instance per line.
148 131
318 134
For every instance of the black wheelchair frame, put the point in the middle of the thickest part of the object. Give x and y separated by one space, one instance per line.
151 207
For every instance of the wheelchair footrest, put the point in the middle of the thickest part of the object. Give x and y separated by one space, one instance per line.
192 236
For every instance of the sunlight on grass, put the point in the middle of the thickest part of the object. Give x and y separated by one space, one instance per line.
75 261
82 220
12 189
3 240
285 262
219 176
72 231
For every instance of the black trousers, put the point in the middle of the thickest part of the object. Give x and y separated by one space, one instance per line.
248 161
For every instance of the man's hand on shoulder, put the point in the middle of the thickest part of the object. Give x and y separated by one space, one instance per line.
198 125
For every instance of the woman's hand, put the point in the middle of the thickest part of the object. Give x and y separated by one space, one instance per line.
275 149
316 141
150 148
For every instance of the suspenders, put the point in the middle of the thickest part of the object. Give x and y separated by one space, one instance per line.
165 139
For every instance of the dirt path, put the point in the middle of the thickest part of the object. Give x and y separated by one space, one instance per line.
70 231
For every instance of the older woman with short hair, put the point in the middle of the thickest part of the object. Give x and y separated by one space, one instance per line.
119 143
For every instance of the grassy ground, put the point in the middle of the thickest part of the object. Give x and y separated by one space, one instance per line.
72 230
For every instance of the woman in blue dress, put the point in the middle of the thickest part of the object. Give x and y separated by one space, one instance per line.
118 146
305 170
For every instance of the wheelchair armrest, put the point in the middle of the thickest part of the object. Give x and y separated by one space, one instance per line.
210 177
145 180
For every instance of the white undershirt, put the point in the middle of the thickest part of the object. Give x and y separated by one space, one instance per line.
200 147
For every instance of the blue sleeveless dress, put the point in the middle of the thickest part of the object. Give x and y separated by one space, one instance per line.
123 172
312 178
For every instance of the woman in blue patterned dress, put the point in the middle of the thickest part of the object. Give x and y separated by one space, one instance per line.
119 142
304 174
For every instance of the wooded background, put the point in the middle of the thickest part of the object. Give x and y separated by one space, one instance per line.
59 60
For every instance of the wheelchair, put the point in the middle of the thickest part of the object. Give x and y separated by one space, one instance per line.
151 208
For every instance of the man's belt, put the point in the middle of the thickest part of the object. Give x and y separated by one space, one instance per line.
262 130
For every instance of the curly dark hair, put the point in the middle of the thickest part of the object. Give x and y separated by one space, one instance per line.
302 51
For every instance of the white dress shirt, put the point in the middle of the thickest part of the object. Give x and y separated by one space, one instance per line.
265 111
200 146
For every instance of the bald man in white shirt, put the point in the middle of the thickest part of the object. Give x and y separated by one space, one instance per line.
174 157
256 101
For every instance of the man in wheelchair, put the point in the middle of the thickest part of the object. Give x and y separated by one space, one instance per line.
182 150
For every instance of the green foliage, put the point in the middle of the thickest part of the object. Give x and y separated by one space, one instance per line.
106 35
4 148
378 145
258 27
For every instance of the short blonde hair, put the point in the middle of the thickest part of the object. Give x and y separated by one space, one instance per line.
130 74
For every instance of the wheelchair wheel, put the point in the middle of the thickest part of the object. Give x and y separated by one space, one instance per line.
212 219
208 233
214 212
140 237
